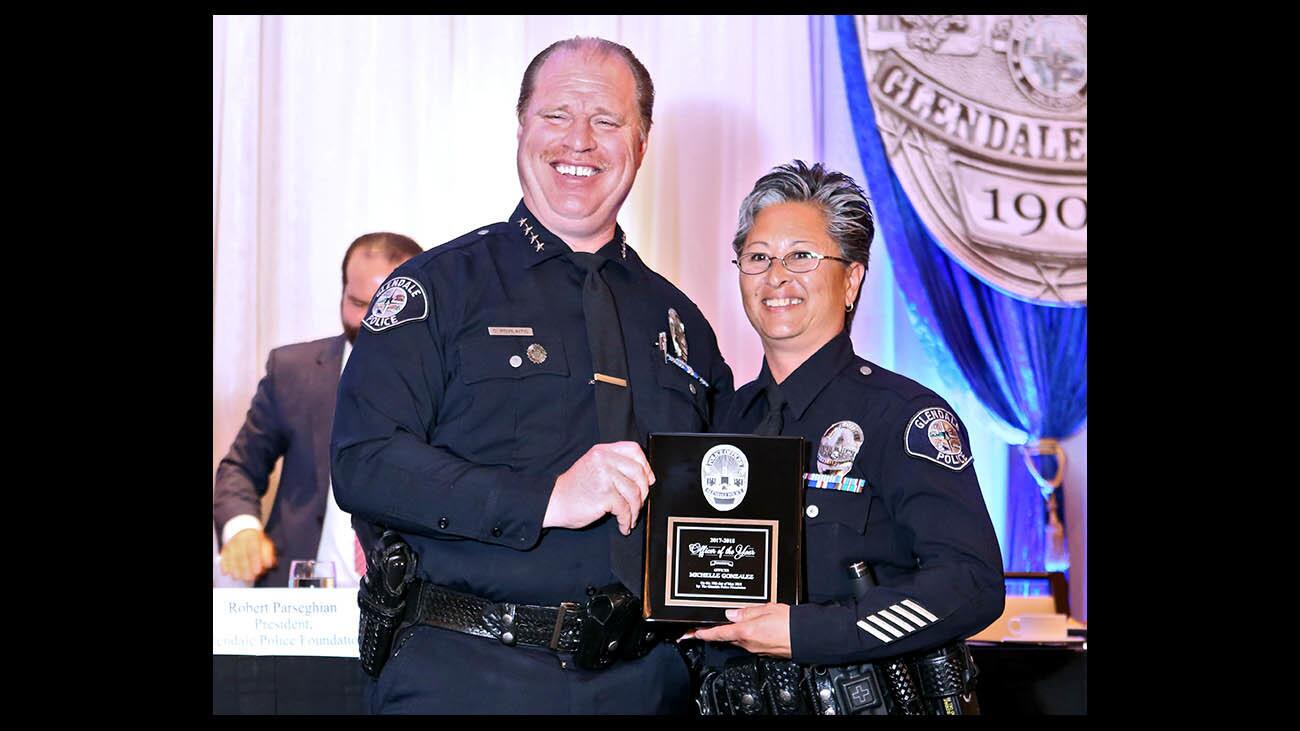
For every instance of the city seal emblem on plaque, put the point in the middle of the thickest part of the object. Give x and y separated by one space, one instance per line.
724 477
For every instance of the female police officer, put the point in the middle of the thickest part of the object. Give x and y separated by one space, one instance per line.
889 484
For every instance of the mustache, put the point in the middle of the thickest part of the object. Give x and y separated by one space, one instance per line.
571 159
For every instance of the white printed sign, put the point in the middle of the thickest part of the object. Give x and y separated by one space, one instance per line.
311 622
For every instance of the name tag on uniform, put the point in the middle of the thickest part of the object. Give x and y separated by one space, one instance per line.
834 482
526 331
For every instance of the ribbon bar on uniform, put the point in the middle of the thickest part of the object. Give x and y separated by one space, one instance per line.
834 482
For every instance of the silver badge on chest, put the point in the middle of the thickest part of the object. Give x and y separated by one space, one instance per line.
678 332
839 447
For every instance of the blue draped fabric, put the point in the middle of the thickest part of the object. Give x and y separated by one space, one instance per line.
1026 363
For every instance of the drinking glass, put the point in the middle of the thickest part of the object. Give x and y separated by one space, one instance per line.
314 574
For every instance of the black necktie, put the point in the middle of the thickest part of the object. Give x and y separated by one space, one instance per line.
772 423
613 393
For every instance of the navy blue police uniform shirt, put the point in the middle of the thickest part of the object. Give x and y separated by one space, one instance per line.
889 482
469 391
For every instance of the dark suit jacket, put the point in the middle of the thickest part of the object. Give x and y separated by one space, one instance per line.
291 415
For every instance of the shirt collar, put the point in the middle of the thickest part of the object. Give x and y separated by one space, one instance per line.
812 376
524 227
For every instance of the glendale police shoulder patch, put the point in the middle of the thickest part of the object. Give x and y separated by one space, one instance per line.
399 300
935 434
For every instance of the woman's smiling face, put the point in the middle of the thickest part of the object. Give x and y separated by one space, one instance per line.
796 311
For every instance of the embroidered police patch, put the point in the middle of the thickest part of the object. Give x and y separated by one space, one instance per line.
400 300
935 434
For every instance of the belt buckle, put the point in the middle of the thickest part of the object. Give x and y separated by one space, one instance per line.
565 608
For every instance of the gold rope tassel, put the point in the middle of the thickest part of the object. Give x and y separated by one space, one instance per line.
1054 532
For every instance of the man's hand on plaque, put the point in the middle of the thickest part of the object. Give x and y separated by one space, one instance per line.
762 630
610 478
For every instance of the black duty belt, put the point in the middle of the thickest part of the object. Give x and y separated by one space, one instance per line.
555 628
605 629
939 682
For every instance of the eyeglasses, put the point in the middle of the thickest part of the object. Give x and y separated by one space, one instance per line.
796 262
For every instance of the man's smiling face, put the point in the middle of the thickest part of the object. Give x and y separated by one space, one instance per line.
580 145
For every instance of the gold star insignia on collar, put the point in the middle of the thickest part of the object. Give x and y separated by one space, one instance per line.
624 246
538 243
522 221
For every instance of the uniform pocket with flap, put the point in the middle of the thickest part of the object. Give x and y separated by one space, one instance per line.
514 384
684 389
484 357
835 524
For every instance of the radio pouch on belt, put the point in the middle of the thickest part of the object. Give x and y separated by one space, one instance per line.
611 617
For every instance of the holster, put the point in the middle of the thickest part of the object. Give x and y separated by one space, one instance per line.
612 630
390 570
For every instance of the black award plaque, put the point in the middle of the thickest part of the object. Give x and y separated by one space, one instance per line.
724 525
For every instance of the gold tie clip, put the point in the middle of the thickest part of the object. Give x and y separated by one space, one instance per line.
610 379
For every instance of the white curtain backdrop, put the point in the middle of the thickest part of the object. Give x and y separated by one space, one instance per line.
325 128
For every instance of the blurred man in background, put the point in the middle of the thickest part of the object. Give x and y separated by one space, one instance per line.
290 417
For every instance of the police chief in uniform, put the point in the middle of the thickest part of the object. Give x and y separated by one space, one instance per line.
493 413
890 482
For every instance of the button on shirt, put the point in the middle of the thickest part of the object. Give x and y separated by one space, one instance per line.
918 522
452 427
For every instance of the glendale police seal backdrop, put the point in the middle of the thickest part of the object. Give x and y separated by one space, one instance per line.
985 121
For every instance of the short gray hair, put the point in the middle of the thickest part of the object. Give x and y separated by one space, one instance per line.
842 201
